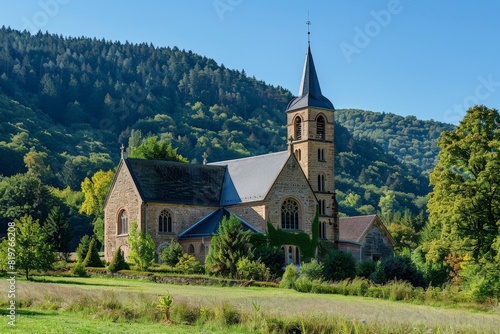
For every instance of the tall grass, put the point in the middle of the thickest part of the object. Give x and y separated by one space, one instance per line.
250 310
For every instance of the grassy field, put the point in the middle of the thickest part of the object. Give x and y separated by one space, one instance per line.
105 305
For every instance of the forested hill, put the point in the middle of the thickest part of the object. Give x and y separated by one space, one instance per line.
66 105
412 140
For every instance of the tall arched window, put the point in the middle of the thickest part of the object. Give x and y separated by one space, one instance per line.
322 206
322 230
321 182
321 154
123 222
298 128
165 222
298 154
290 214
320 127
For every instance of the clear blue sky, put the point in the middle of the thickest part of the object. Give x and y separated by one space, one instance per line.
431 59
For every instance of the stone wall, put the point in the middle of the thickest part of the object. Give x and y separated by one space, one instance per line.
123 196
376 245
292 183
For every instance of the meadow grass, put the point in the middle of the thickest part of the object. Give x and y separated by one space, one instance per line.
101 301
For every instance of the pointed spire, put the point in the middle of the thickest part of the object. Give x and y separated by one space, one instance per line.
309 92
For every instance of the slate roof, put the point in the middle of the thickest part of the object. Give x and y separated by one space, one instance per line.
355 228
176 182
309 92
249 179
208 225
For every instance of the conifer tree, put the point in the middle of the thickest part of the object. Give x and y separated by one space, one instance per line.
227 247
92 259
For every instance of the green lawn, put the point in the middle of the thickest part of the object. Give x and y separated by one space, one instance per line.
82 305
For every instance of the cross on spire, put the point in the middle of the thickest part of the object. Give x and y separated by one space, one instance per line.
122 151
308 31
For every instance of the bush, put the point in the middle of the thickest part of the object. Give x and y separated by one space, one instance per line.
272 257
339 265
312 270
92 259
402 268
184 314
248 269
289 277
227 315
189 265
366 269
118 262
79 270
303 284
170 255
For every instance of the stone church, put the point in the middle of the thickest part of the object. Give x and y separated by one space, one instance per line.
186 202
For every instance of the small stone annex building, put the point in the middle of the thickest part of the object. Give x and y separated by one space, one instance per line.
365 237
187 202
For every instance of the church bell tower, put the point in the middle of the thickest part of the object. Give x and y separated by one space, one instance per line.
310 127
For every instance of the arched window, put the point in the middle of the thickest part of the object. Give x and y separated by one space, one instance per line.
123 222
191 249
290 255
322 230
320 127
298 128
298 154
297 255
322 207
290 214
165 222
321 154
321 182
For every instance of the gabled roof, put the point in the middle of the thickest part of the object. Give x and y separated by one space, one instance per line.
176 182
309 92
354 229
249 179
208 225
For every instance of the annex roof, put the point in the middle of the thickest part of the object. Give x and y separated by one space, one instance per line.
249 179
309 92
355 228
177 182
208 225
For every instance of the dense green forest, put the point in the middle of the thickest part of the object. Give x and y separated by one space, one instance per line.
412 140
67 104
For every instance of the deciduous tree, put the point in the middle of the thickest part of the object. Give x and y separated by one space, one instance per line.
142 247
465 201
95 190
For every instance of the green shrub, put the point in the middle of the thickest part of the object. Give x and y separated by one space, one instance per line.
339 265
312 270
272 257
402 268
366 269
227 315
79 270
303 284
189 265
289 277
118 262
359 286
92 259
184 314
248 269
170 254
